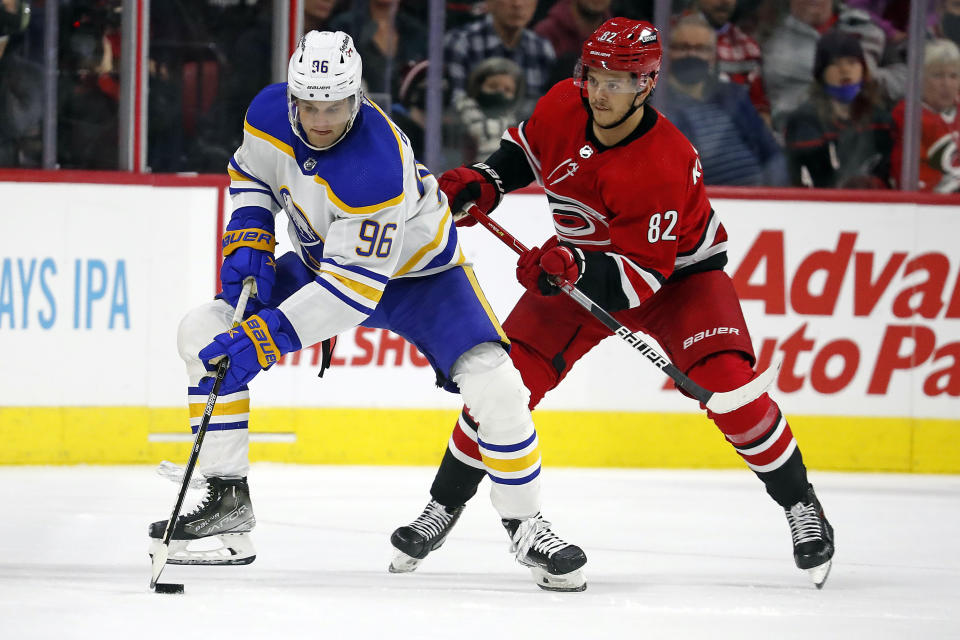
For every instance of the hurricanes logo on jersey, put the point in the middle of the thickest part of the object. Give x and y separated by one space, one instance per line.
571 168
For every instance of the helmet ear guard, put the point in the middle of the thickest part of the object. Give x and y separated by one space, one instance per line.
325 67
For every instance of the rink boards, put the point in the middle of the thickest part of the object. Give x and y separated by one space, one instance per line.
861 299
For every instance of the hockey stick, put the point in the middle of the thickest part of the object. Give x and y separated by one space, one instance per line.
160 557
715 401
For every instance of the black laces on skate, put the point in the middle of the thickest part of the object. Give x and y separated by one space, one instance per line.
805 523
432 521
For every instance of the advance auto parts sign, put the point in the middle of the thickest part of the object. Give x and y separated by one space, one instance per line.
862 302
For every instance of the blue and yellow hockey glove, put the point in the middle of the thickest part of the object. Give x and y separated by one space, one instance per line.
253 346
248 246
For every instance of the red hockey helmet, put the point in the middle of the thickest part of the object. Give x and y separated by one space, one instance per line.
621 44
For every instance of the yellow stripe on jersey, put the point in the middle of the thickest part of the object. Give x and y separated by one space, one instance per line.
236 175
373 208
221 408
263 135
366 291
483 300
424 250
512 464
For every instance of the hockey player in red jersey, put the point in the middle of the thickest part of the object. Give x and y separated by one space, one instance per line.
636 233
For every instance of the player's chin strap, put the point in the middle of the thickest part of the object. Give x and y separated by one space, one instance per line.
629 113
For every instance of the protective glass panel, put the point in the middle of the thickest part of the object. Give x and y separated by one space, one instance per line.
207 62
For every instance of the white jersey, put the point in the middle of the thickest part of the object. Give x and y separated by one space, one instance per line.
360 213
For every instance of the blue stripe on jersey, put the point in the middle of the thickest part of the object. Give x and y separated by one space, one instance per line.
359 270
226 426
236 167
445 256
348 301
523 480
420 188
507 448
236 191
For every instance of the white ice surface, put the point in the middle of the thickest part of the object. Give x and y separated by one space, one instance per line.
672 554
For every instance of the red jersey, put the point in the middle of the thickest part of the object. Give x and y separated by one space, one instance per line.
939 157
641 202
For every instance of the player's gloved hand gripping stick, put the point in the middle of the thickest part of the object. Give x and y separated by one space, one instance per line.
160 557
716 401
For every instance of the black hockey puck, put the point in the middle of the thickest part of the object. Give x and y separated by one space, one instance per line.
168 587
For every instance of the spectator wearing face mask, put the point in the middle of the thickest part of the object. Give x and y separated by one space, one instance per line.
939 124
735 146
788 54
503 33
495 91
841 137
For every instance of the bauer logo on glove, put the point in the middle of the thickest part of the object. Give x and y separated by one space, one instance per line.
258 333
255 345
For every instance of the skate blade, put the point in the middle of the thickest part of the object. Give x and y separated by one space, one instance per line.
573 581
231 549
819 574
402 563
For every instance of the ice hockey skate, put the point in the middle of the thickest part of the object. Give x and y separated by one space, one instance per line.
555 564
216 531
427 533
812 537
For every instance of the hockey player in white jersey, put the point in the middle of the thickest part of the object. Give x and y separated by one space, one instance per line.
374 244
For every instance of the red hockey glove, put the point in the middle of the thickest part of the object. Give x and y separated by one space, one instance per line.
478 183
540 267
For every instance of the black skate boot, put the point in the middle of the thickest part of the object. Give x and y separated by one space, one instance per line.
812 537
225 516
427 533
555 564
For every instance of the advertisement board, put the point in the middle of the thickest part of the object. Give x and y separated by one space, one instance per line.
860 300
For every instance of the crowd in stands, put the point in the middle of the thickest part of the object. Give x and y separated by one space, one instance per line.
770 92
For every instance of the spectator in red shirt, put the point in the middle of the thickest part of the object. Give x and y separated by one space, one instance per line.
940 127
739 59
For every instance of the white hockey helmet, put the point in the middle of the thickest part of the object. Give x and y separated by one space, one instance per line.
325 67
